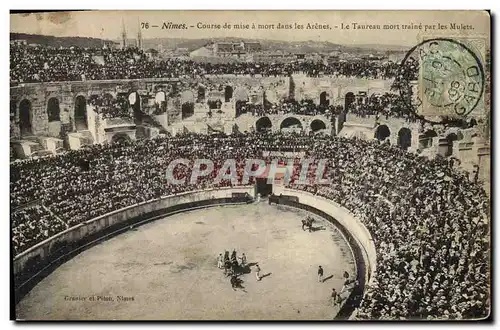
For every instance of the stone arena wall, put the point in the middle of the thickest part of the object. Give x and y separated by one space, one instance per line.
37 262
177 92
44 249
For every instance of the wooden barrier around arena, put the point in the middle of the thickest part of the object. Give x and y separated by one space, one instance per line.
40 260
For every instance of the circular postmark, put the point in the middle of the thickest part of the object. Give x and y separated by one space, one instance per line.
441 77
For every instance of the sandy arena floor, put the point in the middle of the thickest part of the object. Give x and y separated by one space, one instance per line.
168 270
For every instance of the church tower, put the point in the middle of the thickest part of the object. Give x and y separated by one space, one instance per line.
123 43
139 35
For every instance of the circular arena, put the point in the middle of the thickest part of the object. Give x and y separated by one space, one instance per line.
129 178
167 269
400 206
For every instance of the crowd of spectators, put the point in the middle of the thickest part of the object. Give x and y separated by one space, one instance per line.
305 107
111 107
429 224
32 225
428 221
30 64
382 105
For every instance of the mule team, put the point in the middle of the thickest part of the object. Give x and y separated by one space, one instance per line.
232 268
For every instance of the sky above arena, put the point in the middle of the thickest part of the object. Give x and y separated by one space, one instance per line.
108 25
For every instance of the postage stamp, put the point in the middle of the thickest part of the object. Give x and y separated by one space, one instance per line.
449 78
249 165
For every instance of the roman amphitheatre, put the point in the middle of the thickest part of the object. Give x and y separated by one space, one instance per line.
169 268
99 231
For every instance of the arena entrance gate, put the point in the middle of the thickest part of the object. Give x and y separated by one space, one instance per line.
262 187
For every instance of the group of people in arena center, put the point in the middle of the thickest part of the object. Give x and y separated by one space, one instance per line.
42 64
429 222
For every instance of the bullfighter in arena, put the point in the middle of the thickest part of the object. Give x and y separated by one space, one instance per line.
320 274
220 261
257 272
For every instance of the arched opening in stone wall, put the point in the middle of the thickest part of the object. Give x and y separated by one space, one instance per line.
134 99
53 110
228 93
187 110
160 102
81 113
263 124
317 125
404 138
323 99
120 138
382 132
425 140
201 93
348 101
291 123
25 117
450 138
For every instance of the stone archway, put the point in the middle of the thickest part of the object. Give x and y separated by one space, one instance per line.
263 124
291 123
323 99
317 125
382 133
25 117
349 99
404 138
134 99
53 110
81 113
